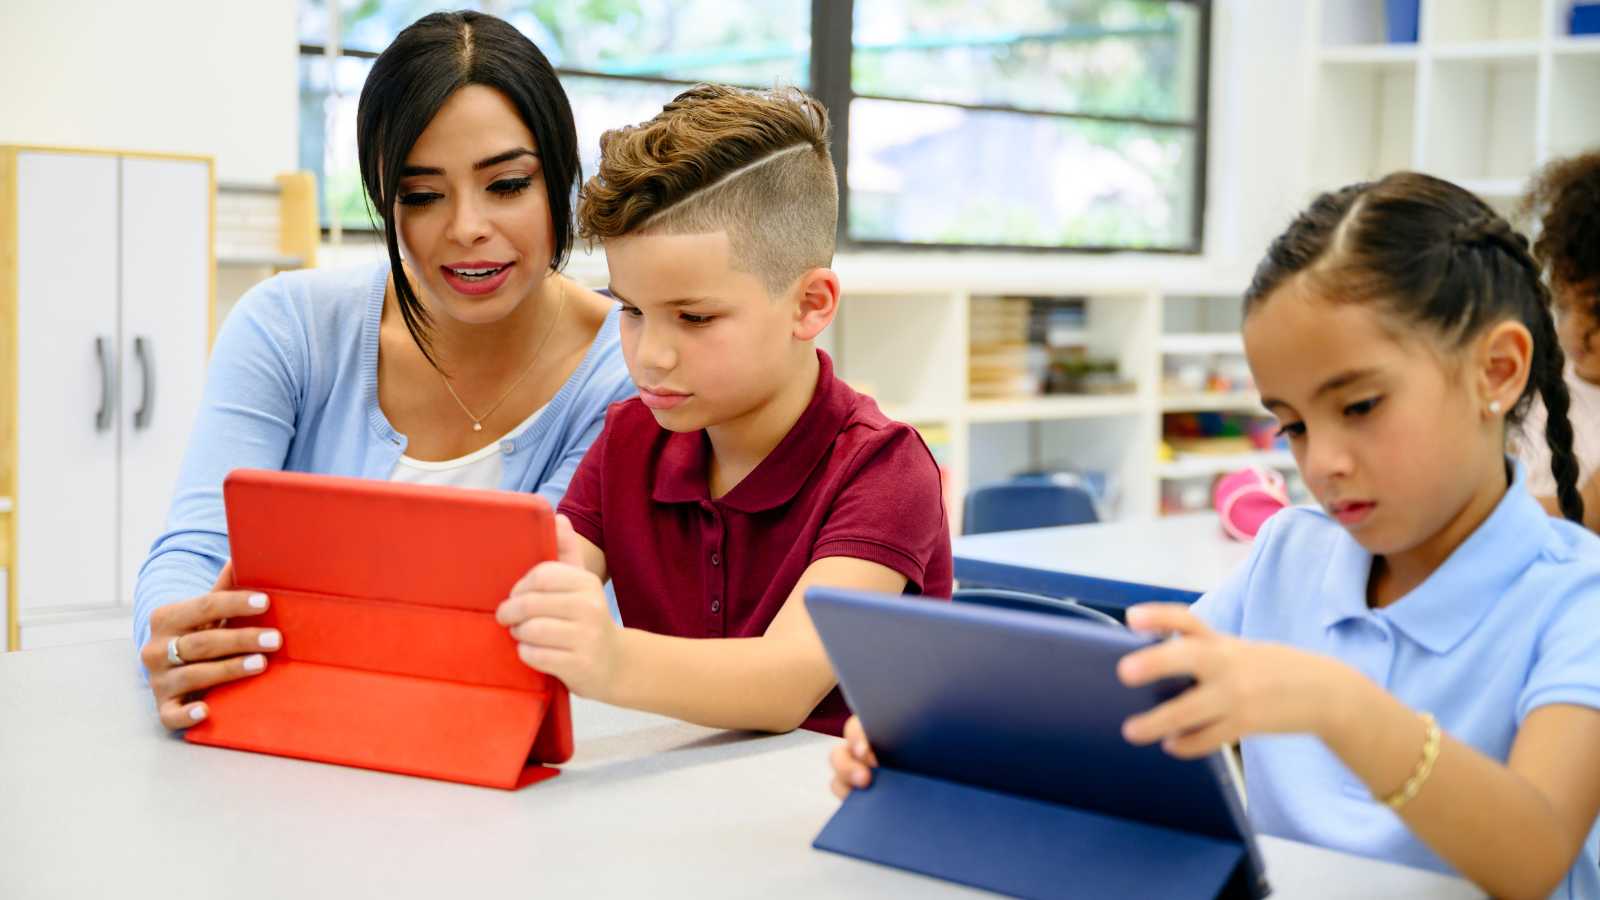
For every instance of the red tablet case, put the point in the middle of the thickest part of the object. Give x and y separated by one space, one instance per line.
385 594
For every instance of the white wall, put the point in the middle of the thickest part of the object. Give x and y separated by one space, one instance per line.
213 77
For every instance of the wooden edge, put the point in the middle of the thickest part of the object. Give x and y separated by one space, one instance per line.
298 232
211 259
98 151
9 376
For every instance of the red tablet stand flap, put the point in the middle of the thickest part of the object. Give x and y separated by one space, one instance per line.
385 594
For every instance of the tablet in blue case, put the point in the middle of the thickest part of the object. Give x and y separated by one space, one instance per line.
1002 761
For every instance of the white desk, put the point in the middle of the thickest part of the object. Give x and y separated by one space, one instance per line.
1186 554
96 800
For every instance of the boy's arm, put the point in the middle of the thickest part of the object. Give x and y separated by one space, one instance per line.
768 683
593 558
559 617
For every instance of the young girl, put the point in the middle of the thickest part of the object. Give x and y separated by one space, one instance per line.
1414 668
1565 199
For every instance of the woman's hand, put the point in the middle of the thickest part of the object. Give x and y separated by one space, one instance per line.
853 760
211 653
558 615
1241 687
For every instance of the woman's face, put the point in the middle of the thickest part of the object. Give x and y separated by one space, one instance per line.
1577 329
472 213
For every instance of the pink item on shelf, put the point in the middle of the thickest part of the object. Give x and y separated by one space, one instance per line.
1246 499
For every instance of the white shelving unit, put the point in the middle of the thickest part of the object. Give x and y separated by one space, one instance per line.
906 342
1491 90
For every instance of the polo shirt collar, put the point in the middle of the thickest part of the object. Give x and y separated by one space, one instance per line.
1439 613
683 469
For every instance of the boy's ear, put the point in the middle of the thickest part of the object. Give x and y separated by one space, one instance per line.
818 302
1505 363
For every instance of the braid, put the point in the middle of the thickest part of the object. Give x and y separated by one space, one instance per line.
1549 363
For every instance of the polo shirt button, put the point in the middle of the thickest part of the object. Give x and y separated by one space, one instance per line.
716 560
506 447
716 606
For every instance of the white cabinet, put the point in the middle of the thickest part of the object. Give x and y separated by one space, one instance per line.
105 290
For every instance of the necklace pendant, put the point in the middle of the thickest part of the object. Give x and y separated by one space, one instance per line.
477 426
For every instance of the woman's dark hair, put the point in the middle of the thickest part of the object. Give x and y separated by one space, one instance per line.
1565 199
1433 256
429 61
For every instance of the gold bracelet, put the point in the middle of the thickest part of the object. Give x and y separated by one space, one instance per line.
1430 755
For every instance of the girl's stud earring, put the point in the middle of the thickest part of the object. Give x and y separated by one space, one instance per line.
1494 407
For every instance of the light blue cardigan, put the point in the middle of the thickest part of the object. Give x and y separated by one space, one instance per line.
293 384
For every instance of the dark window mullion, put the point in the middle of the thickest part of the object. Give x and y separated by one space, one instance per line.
1202 138
320 50
831 49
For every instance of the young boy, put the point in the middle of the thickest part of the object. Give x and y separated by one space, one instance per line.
745 472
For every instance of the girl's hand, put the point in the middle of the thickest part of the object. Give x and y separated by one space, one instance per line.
557 614
211 653
1242 687
853 760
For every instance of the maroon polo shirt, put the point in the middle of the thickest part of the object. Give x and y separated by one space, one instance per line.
845 481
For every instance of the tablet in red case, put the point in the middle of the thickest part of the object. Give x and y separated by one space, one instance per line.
385 594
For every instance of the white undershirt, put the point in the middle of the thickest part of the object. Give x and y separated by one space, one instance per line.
482 468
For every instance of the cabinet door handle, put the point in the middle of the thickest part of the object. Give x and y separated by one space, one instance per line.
147 394
102 416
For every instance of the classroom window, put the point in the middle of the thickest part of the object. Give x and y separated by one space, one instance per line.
1074 124
1048 124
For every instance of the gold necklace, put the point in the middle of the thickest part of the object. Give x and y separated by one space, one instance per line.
477 421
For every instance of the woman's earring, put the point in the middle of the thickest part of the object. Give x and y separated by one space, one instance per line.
1494 407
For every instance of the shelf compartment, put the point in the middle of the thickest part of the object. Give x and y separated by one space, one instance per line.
1365 121
1481 120
1575 122
1200 465
1454 22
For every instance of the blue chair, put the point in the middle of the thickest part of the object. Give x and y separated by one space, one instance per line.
1028 503
1034 603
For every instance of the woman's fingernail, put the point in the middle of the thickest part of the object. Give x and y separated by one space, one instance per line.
858 750
271 640
255 663
197 713
859 779
258 601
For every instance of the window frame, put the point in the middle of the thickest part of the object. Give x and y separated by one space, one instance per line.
832 52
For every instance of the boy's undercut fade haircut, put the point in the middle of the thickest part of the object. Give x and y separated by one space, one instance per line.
754 164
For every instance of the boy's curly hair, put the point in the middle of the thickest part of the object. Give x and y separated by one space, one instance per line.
754 164
1564 198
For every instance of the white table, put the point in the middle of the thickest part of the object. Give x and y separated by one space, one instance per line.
1174 558
96 800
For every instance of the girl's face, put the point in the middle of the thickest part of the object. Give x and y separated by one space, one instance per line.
1388 436
1577 328
472 212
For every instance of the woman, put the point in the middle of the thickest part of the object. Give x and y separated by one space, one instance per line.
465 358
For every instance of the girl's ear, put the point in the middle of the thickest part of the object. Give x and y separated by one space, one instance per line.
1503 364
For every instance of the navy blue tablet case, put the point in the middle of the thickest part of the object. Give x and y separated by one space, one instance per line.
1002 761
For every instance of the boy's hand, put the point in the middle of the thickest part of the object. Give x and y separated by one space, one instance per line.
853 760
1241 687
557 614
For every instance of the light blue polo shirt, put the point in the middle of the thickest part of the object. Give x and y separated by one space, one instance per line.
1509 623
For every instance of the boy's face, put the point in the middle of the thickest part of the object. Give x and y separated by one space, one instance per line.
705 343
